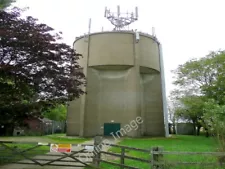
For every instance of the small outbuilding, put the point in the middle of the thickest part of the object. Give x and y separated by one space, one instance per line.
185 128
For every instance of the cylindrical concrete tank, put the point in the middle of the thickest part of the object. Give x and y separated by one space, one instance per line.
123 83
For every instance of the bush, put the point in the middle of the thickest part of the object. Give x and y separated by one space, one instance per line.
214 118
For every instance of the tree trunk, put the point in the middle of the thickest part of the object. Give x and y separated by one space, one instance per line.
174 126
194 125
206 132
9 129
170 129
174 129
198 130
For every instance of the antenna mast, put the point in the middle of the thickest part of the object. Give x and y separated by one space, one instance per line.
89 26
121 20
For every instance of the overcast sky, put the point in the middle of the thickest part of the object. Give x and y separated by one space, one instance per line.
185 28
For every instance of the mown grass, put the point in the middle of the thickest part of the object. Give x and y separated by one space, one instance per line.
55 138
61 138
175 143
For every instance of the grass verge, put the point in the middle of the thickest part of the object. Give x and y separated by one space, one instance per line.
62 138
55 138
175 143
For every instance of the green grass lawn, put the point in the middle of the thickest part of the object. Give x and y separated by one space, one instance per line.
175 143
62 138
55 138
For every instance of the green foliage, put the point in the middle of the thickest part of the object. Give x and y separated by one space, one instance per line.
191 108
216 90
5 3
172 105
198 73
37 71
199 81
58 113
214 117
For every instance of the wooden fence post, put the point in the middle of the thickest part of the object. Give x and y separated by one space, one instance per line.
122 157
156 158
97 150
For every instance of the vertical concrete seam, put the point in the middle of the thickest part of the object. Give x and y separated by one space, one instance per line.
100 98
142 104
165 110
137 72
83 101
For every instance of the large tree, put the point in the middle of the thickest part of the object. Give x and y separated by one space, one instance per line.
214 116
58 113
198 81
216 90
200 76
5 3
172 104
37 70
191 109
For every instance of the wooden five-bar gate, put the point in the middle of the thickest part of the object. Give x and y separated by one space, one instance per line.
39 154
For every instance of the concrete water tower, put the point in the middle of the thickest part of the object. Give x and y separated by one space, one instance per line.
125 80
